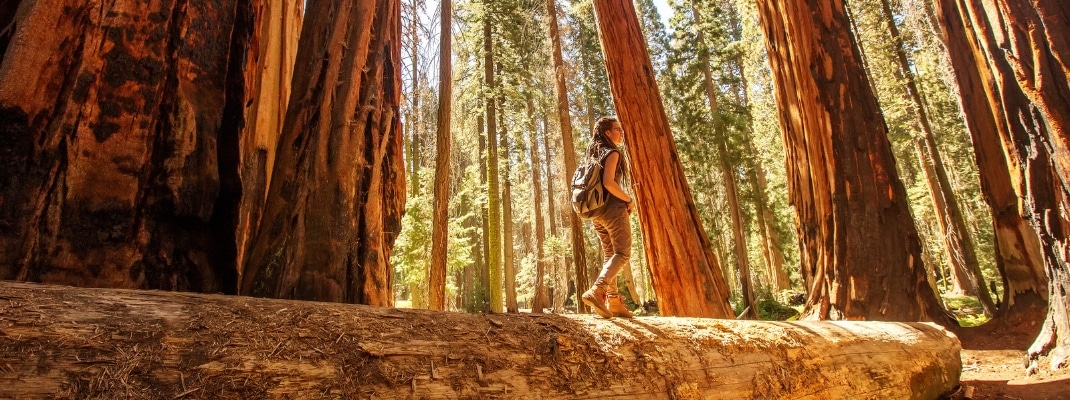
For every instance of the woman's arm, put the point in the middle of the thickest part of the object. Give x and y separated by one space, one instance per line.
608 173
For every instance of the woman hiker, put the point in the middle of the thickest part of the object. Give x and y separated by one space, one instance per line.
611 221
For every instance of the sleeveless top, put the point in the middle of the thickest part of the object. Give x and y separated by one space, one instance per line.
618 177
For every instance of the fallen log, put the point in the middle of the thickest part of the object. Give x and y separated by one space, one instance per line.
64 342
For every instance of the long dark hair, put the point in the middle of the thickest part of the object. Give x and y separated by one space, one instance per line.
600 144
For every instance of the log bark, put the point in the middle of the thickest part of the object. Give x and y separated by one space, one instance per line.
686 276
61 342
119 142
860 250
334 205
1017 50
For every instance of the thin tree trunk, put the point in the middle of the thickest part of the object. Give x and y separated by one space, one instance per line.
771 240
480 290
686 275
540 299
509 264
121 157
338 189
579 259
961 251
860 248
561 272
494 216
728 177
440 218
1013 50
416 93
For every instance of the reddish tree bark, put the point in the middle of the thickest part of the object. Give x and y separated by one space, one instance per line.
579 258
337 192
1017 51
119 141
1018 252
685 274
860 250
443 143
270 73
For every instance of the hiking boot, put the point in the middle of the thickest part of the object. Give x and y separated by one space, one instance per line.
617 308
595 297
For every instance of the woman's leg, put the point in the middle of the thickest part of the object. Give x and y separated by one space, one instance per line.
616 238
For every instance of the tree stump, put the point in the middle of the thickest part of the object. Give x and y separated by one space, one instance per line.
64 342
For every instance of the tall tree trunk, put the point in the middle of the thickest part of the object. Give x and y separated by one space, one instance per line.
443 150
579 259
480 291
860 248
1017 246
772 249
120 142
509 264
494 216
338 189
414 127
541 299
272 73
727 176
1016 50
686 276
961 251
560 268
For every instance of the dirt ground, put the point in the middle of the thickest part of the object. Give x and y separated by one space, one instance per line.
993 367
1000 374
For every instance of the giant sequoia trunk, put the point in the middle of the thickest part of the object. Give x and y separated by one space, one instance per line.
1017 51
119 141
269 75
101 343
1018 252
337 191
860 250
685 274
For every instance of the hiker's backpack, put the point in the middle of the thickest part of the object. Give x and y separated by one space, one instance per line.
588 193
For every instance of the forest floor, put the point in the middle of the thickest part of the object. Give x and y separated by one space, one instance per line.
1000 374
994 357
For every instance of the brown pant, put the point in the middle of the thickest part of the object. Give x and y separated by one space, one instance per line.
615 234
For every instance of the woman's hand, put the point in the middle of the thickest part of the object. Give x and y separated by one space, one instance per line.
631 206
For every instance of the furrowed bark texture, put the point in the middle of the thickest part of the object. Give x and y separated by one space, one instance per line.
106 343
860 251
443 144
1019 51
119 142
684 272
334 205
270 64
579 255
1019 258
